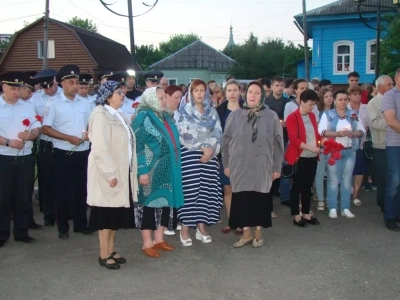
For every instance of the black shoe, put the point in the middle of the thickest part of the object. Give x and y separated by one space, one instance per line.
312 221
286 203
26 240
2 243
103 263
35 226
84 231
63 236
48 223
300 223
119 260
392 225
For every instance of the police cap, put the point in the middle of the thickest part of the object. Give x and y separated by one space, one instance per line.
85 78
106 72
154 76
68 71
13 78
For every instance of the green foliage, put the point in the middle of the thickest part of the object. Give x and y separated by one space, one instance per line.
4 44
266 59
177 42
147 55
84 23
390 49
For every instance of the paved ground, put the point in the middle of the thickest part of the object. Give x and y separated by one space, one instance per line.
340 259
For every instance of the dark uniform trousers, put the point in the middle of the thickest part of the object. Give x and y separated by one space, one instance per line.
46 180
15 192
70 178
381 169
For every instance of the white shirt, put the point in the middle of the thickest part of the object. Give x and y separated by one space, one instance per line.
127 108
39 101
11 117
342 124
118 113
68 117
291 107
363 116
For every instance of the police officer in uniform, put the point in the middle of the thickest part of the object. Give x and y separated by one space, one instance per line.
84 82
16 159
132 92
152 80
26 91
31 74
49 91
105 73
66 121
126 107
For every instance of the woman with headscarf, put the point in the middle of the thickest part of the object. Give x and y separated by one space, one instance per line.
200 135
112 172
252 155
159 170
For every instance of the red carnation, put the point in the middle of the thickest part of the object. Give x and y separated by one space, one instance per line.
135 104
39 118
353 115
326 151
331 161
26 122
336 155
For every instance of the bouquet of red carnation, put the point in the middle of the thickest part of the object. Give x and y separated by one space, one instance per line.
333 148
135 105
28 126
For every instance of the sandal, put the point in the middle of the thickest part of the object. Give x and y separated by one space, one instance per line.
226 230
257 243
151 252
243 242
357 202
274 215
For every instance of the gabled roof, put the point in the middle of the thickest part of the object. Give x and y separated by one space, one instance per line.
345 7
197 55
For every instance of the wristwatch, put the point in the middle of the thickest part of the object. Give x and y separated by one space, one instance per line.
7 143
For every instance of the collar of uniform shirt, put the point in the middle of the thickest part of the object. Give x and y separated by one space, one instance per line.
65 99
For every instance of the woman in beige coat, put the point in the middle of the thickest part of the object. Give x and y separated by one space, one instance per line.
112 172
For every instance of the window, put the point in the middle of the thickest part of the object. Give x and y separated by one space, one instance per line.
51 53
192 79
371 56
172 81
343 57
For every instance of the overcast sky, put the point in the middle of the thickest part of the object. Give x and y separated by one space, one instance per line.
210 19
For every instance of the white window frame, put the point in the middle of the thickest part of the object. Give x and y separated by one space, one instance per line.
51 51
192 79
335 55
169 81
368 60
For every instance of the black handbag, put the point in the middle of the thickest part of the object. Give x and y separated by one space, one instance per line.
288 170
368 151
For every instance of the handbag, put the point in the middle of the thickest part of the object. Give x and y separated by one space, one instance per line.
368 151
289 170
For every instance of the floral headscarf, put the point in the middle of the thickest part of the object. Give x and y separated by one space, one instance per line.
106 90
149 100
252 115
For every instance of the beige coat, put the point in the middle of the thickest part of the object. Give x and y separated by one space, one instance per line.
109 159
377 122
251 164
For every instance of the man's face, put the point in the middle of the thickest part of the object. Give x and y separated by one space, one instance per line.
150 83
164 83
277 87
51 91
11 93
70 86
397 80
25 93
124 89
83 90
130 81
353 81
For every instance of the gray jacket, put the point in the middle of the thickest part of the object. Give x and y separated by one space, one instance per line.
251 164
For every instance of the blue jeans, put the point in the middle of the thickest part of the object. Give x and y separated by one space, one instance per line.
319 177
341 173
392 198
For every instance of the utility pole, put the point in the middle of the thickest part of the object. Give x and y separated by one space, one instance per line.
306 54
46 35
131 32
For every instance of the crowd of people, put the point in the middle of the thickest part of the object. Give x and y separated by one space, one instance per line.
172 156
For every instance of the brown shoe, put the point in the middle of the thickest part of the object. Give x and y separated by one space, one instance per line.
164 246
151 252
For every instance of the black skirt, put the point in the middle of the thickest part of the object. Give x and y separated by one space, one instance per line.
112 218
150 218
250 209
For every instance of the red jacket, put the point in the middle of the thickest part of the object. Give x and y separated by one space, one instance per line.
297 135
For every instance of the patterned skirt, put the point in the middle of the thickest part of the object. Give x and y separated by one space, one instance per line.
201 190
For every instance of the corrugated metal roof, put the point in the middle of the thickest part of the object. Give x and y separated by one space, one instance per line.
346 7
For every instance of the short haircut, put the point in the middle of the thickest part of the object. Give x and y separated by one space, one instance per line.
381 80
265 81
232 81
354 89
342 91
195 83
172 89
182 85
309 95
211 81
297 82
288 82
277 79
321 95
353 74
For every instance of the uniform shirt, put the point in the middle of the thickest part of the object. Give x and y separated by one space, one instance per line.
68 117
127 108
39 101
11 117
91 99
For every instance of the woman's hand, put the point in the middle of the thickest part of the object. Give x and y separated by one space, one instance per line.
204 159
113 182
315 149
343 133
144 179
275 175
227 172
208 151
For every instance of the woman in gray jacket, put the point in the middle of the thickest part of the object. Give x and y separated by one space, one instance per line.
252 154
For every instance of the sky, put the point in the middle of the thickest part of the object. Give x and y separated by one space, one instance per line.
210 19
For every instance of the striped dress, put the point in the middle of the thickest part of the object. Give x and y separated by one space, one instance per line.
201 190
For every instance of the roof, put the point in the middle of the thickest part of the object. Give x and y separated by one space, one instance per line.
197 55
346 7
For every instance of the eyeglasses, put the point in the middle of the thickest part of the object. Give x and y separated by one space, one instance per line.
120 92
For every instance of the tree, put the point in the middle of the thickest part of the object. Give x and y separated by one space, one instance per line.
266 59
84 23
390 49
4 44
147 55
177 42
